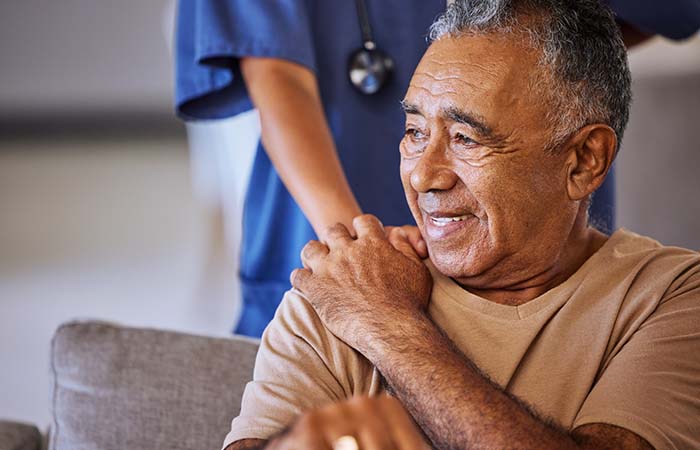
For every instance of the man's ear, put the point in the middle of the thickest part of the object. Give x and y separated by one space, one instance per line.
591 153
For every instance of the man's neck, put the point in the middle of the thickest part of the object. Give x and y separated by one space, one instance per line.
583 242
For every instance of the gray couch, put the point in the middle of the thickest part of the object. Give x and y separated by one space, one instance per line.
115 387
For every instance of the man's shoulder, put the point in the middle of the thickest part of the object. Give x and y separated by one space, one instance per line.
296 318
297 331
649 276
296 312
625 241
654 261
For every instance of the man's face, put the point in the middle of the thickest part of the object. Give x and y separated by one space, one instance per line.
490 202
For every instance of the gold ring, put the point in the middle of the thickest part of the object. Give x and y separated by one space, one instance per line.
346 443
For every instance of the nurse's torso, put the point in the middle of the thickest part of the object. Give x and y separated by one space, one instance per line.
366 129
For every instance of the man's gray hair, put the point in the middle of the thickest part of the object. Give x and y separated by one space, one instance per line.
587 75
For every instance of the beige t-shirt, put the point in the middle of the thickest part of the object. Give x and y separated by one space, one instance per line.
617 343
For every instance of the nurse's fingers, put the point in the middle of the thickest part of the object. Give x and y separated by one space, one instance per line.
368 226
400 241
416 240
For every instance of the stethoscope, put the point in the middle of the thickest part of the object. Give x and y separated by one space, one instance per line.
369 68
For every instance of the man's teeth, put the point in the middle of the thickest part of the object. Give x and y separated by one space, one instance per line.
443 221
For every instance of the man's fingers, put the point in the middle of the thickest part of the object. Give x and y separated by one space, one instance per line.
312 252
357 421
399 239
307 433
403 429
337 422
299 278
416 240
373 433
337 235
369 226
366 423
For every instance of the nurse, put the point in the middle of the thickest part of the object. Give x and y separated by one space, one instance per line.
326 142
327 77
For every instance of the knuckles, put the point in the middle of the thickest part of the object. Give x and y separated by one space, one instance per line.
359 415
368 220
313 249
296 278
360 402
309 422
336 231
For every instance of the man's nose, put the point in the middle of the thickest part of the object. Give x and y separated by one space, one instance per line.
434 170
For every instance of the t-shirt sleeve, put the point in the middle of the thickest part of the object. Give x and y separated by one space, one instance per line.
300 366
212 35
652 386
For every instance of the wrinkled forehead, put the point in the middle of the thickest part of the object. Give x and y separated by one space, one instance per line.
491 70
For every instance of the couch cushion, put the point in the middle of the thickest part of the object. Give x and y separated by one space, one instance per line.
127 388
19 436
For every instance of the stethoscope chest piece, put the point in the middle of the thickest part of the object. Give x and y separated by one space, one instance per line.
369 69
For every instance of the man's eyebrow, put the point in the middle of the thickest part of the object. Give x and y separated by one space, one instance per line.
473 120
410 108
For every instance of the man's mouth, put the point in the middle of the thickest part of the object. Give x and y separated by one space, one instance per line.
446 220
441 224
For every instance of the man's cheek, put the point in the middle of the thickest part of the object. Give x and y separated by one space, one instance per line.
412 200
406 169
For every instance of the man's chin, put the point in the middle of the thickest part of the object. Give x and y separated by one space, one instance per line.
452 264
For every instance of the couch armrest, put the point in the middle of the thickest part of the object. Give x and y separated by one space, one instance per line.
142 389
19 436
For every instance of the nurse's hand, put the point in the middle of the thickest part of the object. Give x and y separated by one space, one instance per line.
365 289
414 238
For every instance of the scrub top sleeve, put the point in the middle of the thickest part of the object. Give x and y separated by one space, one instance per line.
674 19
211 37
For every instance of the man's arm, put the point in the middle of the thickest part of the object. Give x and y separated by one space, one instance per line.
459 407
372 293
298 141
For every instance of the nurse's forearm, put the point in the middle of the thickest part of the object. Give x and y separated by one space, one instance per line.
298 141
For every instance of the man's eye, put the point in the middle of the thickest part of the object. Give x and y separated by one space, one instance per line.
415 134
463 139
413 143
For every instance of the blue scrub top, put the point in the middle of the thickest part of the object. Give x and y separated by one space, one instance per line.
674 19
320 34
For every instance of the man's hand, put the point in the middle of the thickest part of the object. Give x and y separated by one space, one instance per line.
365 287
373 423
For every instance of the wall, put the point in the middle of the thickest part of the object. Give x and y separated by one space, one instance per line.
658 181
76 56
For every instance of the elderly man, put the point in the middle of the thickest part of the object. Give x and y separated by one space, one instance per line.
526 328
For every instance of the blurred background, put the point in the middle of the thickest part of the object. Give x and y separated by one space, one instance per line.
104 213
